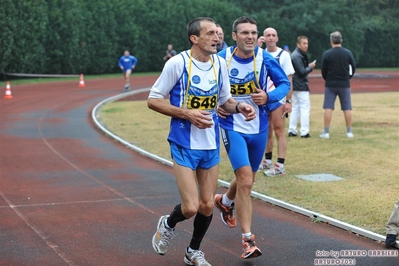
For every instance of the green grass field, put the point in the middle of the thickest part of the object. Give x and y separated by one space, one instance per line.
367 163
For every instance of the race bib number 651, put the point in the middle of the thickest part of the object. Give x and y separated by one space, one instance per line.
242 89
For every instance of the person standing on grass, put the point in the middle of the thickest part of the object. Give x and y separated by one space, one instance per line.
250 68
392 227
169 52
277 111
190 88
300 87
127 62
337 68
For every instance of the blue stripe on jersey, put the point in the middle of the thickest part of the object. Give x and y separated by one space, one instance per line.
182 132
242 77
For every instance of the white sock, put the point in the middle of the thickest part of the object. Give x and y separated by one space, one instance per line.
226 201
190 249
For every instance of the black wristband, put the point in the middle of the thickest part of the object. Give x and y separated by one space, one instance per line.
238 111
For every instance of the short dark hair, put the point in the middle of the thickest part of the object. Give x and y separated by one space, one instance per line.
242 20
298 40
336 37
194 27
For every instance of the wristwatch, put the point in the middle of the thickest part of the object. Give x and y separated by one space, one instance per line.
288 101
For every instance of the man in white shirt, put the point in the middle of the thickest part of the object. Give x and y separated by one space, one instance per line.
277 111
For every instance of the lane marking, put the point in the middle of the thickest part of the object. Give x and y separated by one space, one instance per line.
53 246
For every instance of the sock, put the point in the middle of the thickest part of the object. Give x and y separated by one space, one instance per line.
326 129
190 249
165 223
246 236
280 161
201 224
175 217
268 156
348 129
226 201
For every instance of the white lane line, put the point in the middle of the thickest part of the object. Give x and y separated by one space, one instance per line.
285 205
53 246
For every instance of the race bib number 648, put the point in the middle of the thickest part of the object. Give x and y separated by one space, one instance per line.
202 102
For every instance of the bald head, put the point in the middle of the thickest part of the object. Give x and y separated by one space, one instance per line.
271 39
269 31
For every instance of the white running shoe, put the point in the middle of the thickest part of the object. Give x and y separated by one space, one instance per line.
265 165
160 240
349 135
324 135
276 170
196 257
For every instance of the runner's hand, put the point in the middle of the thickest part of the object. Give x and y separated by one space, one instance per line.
200 119
260 97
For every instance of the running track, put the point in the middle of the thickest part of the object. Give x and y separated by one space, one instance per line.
69 195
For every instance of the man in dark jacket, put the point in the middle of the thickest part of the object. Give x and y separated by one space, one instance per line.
337 67
300 94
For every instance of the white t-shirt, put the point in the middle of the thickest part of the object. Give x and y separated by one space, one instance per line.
285 63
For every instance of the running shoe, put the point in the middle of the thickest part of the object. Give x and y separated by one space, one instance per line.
349 135
276 170
265 165
250 250
160 240
226 213
324 135
196 257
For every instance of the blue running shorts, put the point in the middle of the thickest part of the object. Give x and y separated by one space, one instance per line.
273 106
244 149
204 159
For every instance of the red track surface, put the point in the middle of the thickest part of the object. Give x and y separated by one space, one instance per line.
69 195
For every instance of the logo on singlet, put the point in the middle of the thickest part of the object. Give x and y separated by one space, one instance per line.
196 79
234 72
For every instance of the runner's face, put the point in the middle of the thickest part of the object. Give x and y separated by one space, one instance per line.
246 37
208 38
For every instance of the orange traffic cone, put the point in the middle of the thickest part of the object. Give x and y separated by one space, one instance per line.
81 82
8 91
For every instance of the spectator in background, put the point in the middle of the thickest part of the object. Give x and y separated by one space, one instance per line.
392 227
277 111
127 62
287 49
169 53
221 43
337 68
300 86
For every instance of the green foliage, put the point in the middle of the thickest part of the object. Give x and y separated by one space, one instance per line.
74 36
